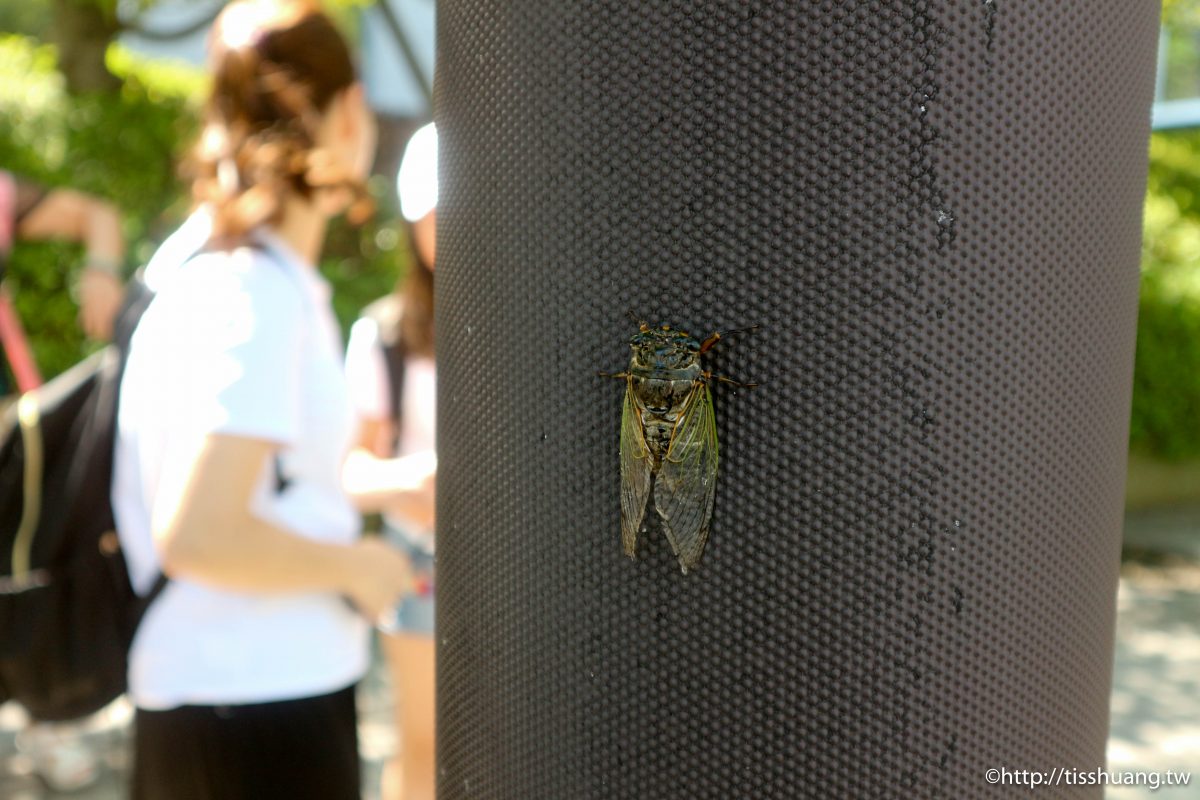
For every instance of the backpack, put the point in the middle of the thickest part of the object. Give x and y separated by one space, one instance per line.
67 609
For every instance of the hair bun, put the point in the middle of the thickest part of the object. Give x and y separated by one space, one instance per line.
277 65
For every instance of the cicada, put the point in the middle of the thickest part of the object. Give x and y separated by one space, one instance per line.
669 439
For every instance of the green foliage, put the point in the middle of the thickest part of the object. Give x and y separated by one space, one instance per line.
1179 12
1178 54
361 264
120 147
1166 394
124 147
162 79
30 17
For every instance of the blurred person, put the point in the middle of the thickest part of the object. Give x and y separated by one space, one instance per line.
60 752
30 212
234 424
390 352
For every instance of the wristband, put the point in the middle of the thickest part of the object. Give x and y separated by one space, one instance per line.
108 266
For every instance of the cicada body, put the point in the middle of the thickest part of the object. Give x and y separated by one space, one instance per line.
668 440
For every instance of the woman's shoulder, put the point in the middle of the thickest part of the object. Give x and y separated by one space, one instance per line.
228 296
187 240
246 268
190 252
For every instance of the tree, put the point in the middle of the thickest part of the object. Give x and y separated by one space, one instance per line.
82 30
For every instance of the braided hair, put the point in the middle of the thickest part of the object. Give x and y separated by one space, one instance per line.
276 65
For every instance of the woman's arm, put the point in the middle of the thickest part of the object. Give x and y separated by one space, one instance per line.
402 487
78 217
208 534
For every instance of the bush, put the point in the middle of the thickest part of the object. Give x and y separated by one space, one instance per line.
117 147
124 147
1166 386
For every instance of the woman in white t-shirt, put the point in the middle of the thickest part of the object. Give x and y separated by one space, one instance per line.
234 424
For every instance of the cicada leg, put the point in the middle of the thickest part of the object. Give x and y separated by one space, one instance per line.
708 376
731 381
715 337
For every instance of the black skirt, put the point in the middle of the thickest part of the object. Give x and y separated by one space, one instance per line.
295 749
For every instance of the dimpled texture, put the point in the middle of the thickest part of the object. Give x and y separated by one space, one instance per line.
933 211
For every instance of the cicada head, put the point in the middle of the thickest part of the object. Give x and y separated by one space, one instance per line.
662 348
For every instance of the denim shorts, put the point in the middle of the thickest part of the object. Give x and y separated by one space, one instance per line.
414 613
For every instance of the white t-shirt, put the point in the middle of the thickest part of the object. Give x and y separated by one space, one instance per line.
370 393
240 343
370 390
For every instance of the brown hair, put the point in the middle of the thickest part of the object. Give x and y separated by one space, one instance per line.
276 66
416 289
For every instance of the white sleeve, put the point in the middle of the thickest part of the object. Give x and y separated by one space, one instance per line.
241 353
366 372
180 246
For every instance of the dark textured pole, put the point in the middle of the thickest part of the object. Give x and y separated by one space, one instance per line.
932 208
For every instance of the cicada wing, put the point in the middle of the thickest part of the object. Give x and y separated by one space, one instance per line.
635 470
687 479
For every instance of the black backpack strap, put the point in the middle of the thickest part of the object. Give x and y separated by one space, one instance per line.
160 583
282 481
388 313
395 356
137 610
133 304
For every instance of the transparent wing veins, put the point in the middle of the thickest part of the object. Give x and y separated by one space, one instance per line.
686 482
635 470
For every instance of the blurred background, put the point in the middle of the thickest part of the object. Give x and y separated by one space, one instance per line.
104 96
113 118
1155 722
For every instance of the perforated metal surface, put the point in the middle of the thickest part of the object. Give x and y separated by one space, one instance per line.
933 210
